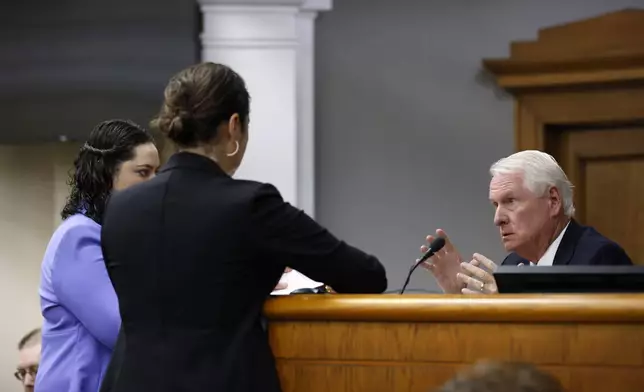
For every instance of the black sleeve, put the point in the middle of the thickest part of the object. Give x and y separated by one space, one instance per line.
611 254
289 236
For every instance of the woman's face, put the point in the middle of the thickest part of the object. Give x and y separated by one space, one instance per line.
141 167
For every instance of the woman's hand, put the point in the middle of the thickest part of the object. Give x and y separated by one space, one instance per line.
282 284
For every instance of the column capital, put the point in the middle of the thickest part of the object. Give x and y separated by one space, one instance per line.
304 5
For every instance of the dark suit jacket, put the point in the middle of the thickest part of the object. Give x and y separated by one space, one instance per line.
581 245
193 254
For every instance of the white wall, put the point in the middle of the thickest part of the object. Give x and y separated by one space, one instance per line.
32 192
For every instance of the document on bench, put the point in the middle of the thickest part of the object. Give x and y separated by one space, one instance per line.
296 281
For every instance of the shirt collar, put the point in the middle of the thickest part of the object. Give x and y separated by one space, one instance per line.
548 258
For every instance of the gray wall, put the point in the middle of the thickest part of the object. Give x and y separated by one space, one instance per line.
66 65
405 133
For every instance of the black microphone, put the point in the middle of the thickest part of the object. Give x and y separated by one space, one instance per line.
434 247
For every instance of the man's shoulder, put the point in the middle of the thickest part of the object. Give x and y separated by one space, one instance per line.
591 238
584 245
594 245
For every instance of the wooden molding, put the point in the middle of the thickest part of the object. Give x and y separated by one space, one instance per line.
512 75
607 49
458 308
584 72
536 111
321 343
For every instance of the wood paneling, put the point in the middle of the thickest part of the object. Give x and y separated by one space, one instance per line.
579 91
607 168
458 308
603 50
414 343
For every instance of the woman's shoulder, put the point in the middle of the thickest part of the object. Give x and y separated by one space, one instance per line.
71 234
75 228
256 188
78 222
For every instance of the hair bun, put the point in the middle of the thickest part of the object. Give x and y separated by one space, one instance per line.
175 126
197 100
179 125
169 124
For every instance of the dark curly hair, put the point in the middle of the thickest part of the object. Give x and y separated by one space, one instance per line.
109 144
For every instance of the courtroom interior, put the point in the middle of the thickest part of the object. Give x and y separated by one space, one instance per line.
320 195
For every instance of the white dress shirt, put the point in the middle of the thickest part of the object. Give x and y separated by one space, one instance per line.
549 257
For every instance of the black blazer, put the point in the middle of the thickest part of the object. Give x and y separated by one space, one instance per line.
193 254
581 245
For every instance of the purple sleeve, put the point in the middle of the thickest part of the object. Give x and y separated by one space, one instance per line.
81 283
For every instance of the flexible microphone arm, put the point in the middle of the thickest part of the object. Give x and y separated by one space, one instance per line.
434 247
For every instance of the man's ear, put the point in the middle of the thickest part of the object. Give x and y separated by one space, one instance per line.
555 201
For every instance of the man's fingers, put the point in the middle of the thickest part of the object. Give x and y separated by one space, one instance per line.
473 270
448 244
470 292
470 283
428 266
425 248
484 261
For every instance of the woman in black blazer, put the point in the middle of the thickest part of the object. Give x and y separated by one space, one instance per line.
193 254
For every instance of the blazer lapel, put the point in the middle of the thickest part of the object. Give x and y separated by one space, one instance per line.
514 259
568 244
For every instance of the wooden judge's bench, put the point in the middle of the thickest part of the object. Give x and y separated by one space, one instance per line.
353 343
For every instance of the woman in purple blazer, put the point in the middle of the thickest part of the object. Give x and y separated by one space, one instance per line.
78 302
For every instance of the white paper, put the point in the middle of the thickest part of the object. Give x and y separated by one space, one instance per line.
296 281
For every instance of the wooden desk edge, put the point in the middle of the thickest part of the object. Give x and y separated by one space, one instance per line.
600 308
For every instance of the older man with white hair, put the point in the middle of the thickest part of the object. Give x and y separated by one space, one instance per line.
534 210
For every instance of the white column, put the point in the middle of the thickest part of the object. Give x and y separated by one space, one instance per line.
270 43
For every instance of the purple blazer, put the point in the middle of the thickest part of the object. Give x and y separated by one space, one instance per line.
80 310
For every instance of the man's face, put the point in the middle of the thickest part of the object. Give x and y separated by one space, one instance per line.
520 215
28 360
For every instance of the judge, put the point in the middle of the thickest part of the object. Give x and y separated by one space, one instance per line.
534 211
194 253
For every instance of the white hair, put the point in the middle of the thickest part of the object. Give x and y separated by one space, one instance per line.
540 172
